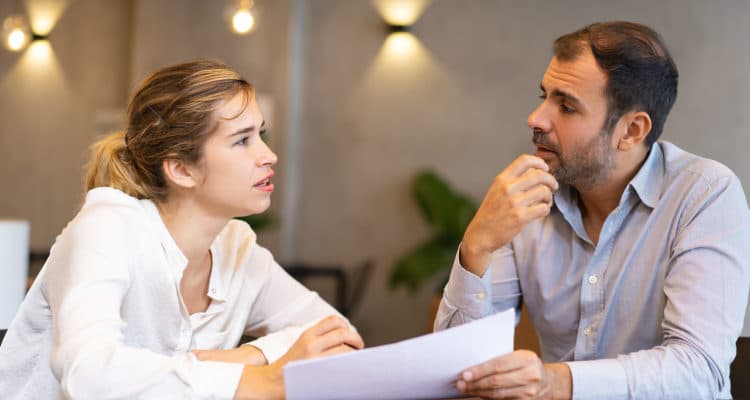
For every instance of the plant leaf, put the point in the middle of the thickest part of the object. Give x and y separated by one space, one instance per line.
422 264
259 221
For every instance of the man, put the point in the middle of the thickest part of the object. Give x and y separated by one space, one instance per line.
630 254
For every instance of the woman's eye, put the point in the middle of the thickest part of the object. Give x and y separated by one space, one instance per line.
264 135
242 141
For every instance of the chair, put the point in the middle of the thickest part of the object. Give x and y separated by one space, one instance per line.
740 370
346 299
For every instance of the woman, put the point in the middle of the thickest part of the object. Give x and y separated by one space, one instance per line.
153 267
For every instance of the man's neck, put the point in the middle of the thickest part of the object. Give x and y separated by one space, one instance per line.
598 202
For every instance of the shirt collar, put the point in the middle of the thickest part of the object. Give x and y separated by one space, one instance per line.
176 259
217 289
174 255
647 183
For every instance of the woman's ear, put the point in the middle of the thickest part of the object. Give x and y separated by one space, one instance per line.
638 126
179 173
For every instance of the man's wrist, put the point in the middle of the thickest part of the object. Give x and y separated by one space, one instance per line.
473 258
559 381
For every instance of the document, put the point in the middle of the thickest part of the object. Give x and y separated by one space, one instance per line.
425 367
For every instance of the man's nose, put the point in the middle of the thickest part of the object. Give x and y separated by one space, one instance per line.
539 120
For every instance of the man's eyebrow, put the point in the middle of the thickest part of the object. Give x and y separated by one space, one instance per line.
561 93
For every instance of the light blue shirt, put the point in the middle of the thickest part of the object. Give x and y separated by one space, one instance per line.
654 309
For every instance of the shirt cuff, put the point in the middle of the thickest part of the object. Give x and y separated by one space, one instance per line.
467 292
598 379
216 380
276 344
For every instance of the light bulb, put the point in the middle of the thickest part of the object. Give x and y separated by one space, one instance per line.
16 33
242 21
17 40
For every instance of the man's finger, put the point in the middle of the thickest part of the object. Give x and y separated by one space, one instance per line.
500 380
537 194
499 365
516 392
532 178
521 164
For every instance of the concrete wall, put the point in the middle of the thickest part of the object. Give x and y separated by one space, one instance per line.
369 118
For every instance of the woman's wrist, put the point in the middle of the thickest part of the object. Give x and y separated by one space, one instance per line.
260 382
254 355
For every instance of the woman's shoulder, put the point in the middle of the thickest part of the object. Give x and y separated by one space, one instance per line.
107 216
106 206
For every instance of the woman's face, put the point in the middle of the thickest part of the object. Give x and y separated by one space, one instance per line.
236 169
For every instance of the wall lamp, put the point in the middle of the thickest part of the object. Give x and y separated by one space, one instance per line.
243 21
393 28
16 33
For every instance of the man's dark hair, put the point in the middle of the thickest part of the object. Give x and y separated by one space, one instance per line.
641 74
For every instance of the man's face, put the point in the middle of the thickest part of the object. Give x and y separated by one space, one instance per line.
568 126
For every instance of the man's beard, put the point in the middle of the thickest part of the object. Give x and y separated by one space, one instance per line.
584 167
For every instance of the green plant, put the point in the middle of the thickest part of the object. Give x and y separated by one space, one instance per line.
259 221
448 212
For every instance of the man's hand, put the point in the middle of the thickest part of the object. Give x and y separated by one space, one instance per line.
518 375
518 195
247 354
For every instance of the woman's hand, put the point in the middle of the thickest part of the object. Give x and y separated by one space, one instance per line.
246 354
332 335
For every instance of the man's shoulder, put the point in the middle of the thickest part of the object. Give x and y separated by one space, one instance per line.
683 167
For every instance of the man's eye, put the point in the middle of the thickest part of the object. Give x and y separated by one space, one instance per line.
566 109
543 96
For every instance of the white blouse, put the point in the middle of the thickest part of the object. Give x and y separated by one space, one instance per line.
104 318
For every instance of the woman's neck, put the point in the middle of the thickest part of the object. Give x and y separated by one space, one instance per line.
191 227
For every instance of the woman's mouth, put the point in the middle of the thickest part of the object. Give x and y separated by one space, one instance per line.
265 185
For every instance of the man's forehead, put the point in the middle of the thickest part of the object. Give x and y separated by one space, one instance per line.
581 75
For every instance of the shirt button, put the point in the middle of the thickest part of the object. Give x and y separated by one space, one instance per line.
481 296
593 279
587 331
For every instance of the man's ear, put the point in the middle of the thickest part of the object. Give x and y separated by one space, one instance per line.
179 173
637 128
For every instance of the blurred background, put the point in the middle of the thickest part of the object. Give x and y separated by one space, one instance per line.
357 111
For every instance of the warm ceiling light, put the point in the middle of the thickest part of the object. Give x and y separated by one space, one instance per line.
243 21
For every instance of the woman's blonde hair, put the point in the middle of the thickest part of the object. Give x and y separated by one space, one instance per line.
170 116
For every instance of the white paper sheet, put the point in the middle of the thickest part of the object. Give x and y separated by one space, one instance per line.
425 367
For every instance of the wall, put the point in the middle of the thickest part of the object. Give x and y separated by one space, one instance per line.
52 96
459 104
369 119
